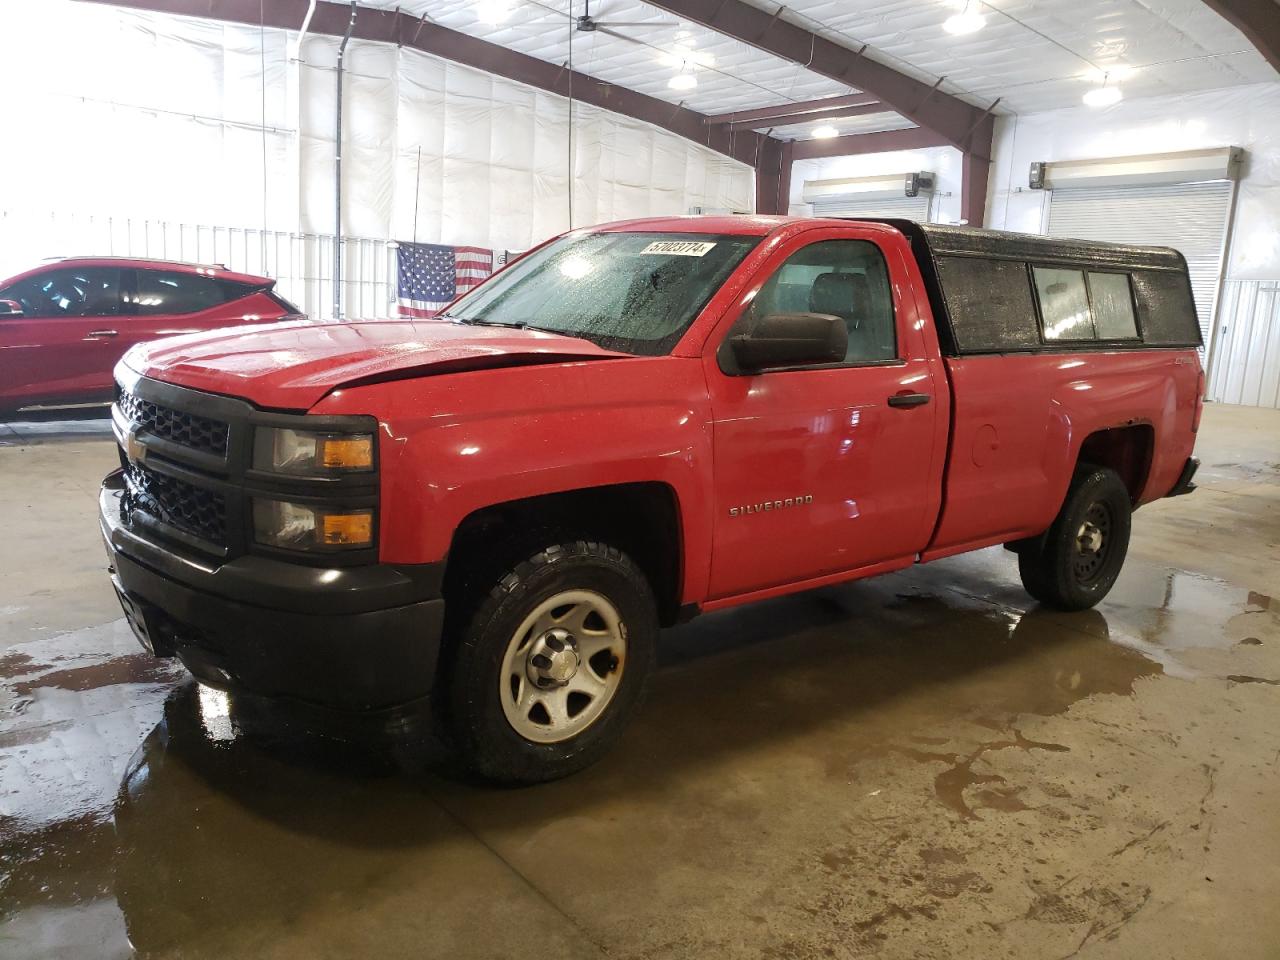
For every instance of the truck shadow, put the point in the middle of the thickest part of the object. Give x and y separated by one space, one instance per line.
224 819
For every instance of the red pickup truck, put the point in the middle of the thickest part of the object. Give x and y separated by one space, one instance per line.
495 511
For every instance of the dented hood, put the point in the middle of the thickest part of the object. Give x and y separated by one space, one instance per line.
291 366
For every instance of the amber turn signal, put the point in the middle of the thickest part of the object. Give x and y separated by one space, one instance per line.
347 453
303 526
312 453
348 529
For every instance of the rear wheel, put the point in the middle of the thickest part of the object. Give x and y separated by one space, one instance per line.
1075 564
552 664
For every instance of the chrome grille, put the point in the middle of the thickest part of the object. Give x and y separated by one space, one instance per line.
187 429
191 509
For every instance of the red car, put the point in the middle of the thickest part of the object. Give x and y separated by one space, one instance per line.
64 325
497 510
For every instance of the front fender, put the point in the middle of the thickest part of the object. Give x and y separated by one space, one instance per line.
452 445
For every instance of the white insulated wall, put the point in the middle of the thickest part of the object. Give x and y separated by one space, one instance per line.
183 120
1245 366
1243 116
494 155
1245 354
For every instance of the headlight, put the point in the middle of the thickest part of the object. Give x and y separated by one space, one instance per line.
311 453
301 526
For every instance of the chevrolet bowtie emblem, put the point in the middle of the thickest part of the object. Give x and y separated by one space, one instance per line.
134 448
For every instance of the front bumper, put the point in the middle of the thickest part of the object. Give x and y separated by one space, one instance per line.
351 638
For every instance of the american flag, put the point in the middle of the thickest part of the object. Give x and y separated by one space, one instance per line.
430 276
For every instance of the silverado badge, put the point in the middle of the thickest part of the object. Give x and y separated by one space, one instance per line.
767 505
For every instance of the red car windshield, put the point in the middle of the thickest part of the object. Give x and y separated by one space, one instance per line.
632 292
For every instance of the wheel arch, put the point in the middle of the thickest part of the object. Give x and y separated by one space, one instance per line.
1128 450
643 519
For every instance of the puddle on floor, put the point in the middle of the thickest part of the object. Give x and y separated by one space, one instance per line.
950 785
194 816
135 668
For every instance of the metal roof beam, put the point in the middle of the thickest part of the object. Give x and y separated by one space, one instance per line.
796 112
820 117
853 144
974 174
1258 20
956 121
773 178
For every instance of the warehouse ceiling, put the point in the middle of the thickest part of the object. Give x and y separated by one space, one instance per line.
730 75
1031 54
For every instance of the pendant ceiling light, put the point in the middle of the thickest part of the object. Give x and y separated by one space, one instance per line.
1102 96
968 20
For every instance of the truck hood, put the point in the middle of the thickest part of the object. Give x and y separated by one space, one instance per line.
291 366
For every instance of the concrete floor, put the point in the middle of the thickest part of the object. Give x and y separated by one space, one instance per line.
922 765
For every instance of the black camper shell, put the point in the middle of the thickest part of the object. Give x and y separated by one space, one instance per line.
993 291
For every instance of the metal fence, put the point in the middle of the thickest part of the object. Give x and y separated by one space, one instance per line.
301 263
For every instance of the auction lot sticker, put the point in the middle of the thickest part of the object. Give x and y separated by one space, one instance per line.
679 248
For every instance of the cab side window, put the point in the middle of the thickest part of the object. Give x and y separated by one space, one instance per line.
70 292
843 278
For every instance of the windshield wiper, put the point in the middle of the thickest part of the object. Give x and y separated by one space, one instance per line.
518 325
482 322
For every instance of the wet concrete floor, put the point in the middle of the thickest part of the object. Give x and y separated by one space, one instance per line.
922 765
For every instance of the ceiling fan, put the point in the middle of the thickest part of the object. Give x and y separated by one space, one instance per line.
588 24
585 23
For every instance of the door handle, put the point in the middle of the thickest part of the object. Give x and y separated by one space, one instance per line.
103 333
909 399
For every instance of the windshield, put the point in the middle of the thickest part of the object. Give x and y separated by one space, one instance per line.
632 292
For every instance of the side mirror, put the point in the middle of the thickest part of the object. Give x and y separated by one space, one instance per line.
790 340
11 308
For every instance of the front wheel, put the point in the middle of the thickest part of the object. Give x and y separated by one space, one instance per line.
552 664
1077 561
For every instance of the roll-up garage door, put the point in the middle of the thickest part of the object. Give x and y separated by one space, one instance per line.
1190 217
851 205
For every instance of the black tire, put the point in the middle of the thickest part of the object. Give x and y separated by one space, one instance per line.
487 742
1059 569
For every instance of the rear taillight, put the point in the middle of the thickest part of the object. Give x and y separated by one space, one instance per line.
1200 387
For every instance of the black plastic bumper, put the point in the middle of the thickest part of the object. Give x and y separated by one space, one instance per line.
349 638
1184 484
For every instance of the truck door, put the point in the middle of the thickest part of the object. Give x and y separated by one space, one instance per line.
825 469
